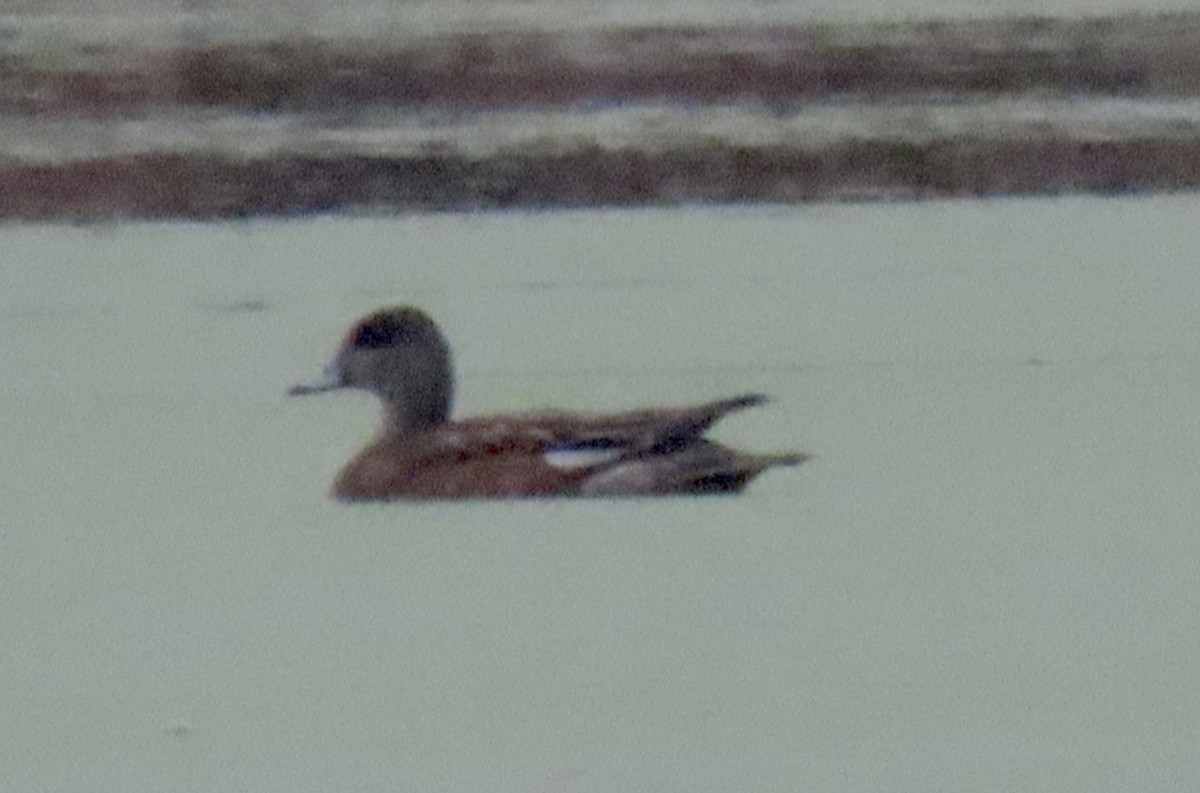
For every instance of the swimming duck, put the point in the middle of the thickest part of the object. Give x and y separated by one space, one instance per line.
399 355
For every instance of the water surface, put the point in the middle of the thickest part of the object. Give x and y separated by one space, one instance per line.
986 579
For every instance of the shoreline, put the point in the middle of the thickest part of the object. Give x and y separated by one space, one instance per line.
627 116
213 187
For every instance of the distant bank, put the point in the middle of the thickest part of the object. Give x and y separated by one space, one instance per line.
211 128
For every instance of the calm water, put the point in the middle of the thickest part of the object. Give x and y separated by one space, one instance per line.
987 579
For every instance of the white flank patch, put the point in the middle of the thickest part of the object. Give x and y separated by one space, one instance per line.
580 457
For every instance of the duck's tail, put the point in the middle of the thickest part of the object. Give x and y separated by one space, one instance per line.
722 406
765 461
729 471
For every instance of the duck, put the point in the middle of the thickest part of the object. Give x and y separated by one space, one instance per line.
420 452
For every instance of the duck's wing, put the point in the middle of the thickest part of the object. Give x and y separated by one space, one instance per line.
645 452
591 434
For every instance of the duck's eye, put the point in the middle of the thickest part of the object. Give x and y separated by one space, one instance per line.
378 334
391 329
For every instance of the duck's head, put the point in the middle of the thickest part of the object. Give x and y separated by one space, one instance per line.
399 355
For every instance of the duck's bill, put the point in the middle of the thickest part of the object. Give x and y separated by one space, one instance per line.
329 379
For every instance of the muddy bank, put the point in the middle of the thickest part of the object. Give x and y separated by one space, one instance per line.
923 110
218 187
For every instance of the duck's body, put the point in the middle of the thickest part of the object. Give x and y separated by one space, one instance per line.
650 452
420 453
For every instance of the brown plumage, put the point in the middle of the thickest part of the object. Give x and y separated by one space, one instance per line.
421 453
